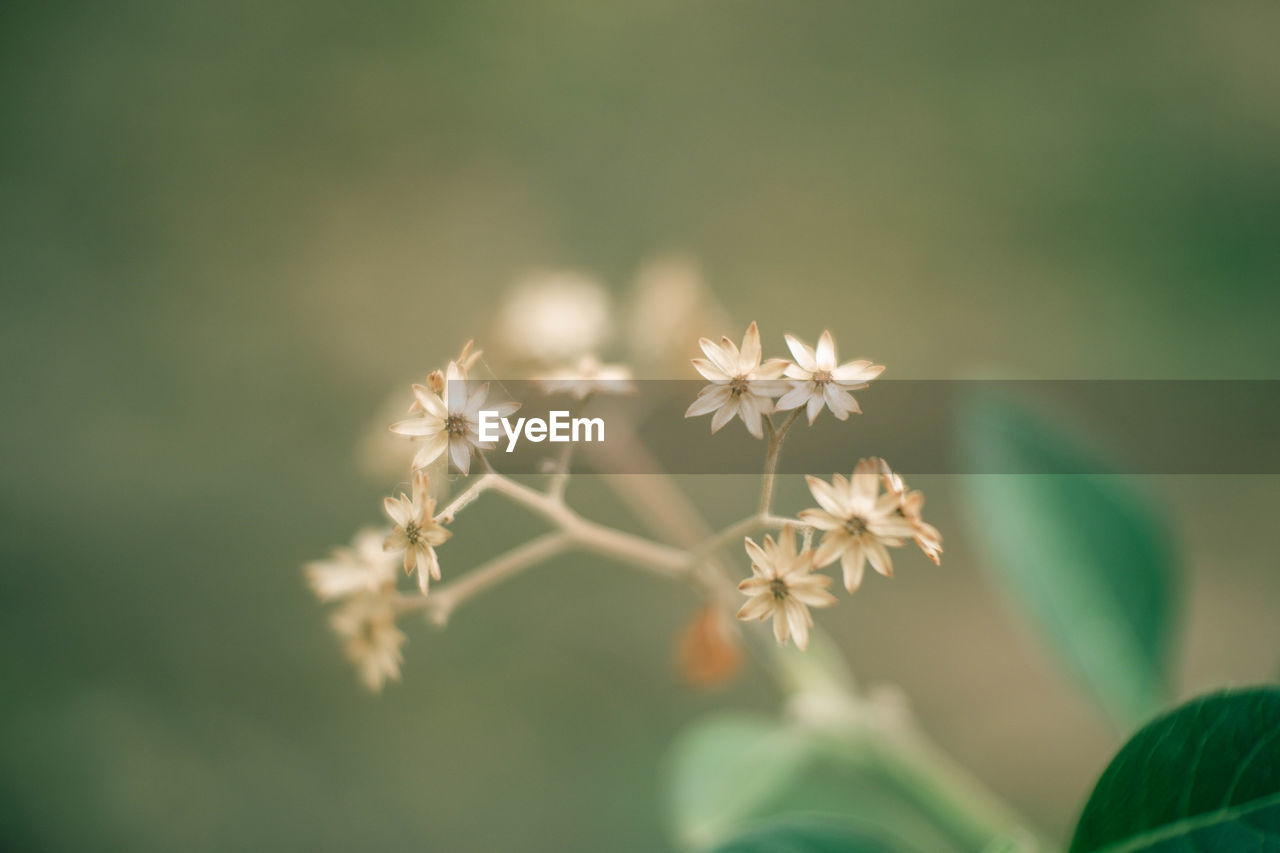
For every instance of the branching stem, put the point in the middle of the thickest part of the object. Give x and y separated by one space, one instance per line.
776 437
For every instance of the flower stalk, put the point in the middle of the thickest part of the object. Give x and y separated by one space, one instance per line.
858 518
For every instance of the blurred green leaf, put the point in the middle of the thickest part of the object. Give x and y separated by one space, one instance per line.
1082 552
723 769
1204 777
733 770
807 835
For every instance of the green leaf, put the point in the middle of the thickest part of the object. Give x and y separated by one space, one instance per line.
807 835
733 770
723 769
1205 777
1082 552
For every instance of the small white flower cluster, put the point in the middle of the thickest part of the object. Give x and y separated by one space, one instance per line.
444 419
858 520
363 578
744 386
859 517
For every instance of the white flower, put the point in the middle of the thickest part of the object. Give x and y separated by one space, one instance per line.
416 532
372 640
819 380
450 422
589 377
782 585
912 507
740 384
554 317
858 521
364 568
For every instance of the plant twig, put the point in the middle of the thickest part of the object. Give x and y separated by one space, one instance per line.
776 437
441 602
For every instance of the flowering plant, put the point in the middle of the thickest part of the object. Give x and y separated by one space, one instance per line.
770 566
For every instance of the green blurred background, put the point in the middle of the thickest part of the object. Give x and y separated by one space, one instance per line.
230 230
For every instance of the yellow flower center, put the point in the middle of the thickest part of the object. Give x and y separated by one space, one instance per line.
455 425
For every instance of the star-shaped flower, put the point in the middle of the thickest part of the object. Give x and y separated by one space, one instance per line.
926 536
741 385
367 624
364 568
417 533
450 422
587 378
783 585
859 523
817 379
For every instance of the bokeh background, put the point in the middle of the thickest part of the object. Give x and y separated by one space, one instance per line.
229 231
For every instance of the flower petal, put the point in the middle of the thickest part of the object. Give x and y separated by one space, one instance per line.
709 370
749 409
798 620
757 554
724 414
833 545
750 355
431 450
857 371
841 402
825 352
757 607
780 624
802 353
399 512
709 399
851 564
460 454
430 402
814 407
879 558
418 427
820 519
826 496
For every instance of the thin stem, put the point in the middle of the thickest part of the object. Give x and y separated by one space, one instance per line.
559 480
949 793
644 553
446 515
776 437
636 550
442 601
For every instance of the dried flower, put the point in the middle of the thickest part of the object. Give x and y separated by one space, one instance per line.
436 380
707 652
364 568
587 378
450 422
372 640
554 317
416 532
784 586
740 384
912 507
858 522
818 380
